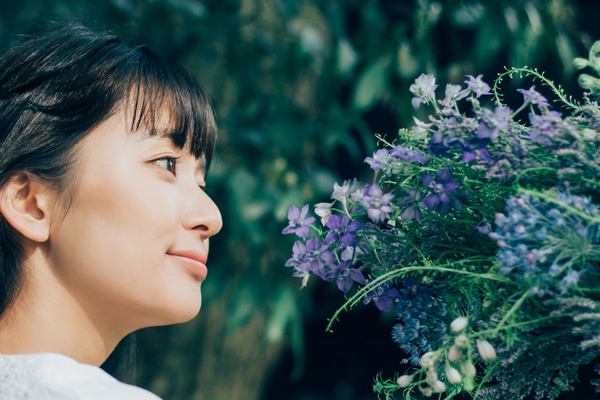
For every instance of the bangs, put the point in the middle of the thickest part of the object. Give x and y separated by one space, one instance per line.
166 101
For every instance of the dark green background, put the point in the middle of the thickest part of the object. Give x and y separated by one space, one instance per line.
299 89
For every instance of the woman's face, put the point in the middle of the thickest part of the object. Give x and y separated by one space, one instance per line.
132 247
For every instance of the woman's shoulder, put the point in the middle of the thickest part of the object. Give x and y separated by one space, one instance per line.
50 376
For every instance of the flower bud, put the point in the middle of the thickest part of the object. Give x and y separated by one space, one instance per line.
468 369
432 375
404 380
461 341
469 384
580 63
439 386
459 324
454 354
453 375
428 359
486 351
427 391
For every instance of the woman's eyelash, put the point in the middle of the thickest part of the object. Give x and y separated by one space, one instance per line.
168 163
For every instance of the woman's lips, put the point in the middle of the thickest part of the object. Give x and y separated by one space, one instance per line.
195 261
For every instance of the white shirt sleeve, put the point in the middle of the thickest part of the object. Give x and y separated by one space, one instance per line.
50 376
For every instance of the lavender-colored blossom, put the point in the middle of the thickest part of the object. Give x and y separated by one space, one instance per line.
377 203
298 223
343 229
493 122
412 205
454 94
341 193
410 155
346 276
423 89
477 86
298 255
544 127
534 97
377 162
319 259
420 129
382 296
442 188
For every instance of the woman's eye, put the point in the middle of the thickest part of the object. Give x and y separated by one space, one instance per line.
168 163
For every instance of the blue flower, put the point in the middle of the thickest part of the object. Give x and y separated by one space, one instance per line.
442 188
382 296
533 97
423 89
343 230
410 155
319 259
477 86
378 160
346 276
493 122
412 205
298 223
377 203
454 94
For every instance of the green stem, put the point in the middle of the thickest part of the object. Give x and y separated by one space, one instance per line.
510 312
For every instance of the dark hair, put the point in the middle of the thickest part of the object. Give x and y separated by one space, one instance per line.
56 88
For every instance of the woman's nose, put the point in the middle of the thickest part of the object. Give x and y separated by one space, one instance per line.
203 215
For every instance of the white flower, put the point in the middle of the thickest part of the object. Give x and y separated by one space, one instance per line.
323 210
404 380
459 324
461 341
439 386
454 354
468 369
428 359
486 350
453 375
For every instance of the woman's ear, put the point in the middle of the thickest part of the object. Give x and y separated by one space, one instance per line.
26 203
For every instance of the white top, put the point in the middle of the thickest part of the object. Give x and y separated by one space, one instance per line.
51 376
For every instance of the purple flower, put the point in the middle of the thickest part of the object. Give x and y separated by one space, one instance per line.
375 162
493 123
343 229
382 296
533 97
477 86
412 205
442 188
376 203
420 129
319 258
298 255
544 127
341 193
453 94
423 89
346 276
298 221
410 155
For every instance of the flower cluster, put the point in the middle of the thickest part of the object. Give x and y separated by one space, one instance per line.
481 232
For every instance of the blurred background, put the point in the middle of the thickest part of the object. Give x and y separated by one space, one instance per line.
299 88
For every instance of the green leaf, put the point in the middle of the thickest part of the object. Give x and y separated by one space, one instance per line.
371 84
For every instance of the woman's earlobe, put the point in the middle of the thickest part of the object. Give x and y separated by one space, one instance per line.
26 203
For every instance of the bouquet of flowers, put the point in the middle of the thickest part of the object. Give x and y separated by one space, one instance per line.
481 230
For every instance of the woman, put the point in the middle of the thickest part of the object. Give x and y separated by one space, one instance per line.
104 224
